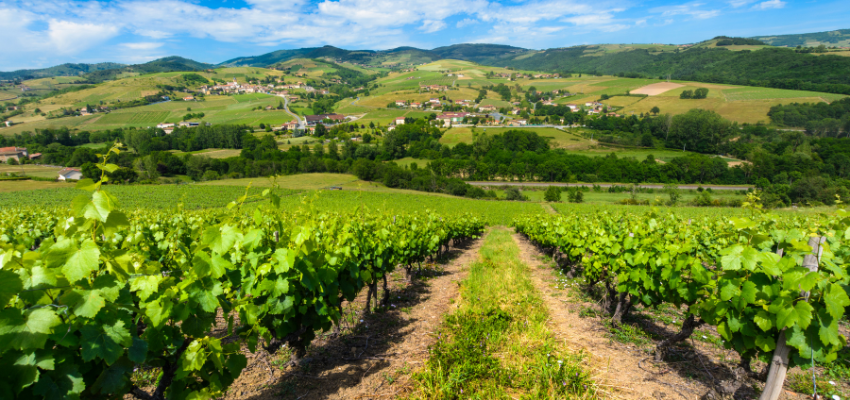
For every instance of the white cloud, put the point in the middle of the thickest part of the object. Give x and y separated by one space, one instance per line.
691 9
138 27
640 22
142 45
739 3
152 33
466 22
770 4
432 25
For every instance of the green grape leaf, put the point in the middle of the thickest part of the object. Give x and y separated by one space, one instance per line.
733 323
220 239
769 263
828 328
219 266
26 330
105 342
732 257
796 338
114 379
145 286
765 343
728 290
763 320
836 300
82 261
804 314
201 264
87 184
59 252
808 281
10 285
193 358
84 303
749 291
65 383
750 258
138 352
285 260
115 223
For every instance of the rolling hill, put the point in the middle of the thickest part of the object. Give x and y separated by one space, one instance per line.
840 38
59 70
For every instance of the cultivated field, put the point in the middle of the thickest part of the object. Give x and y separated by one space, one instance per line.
656 88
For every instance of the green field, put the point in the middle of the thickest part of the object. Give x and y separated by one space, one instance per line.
249 97
558 138
751 93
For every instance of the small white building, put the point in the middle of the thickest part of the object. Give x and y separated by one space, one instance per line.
70 174
399 121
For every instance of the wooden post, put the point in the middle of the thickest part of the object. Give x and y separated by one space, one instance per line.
779 362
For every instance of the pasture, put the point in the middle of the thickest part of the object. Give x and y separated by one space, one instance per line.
40 171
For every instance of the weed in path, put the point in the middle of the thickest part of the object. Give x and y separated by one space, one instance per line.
497 345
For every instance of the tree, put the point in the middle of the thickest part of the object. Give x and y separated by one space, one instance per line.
552 194
700 93
655 110
512 193
321 130
686 94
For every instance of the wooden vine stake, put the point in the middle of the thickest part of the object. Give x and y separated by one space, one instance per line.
779 362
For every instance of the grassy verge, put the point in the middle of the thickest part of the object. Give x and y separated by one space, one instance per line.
497 345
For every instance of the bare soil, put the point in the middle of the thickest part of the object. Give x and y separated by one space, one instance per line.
656 88
374 358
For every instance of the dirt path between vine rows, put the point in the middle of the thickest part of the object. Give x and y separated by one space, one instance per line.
622 370
374 357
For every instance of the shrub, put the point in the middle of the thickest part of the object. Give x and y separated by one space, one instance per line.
553 194
513 193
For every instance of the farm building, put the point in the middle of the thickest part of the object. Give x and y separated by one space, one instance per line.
70 174
314 119
13 152
399 121
449 118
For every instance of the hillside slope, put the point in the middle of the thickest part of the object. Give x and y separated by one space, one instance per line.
840 38
59 70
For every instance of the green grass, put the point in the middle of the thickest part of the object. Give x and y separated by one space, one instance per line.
497 344
496 103
244 98
559 139
758 93
139 196
405 162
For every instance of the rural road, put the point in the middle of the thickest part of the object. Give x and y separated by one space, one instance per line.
302 124
605 185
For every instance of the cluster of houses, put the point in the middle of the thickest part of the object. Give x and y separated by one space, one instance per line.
168 127
235 87
16 153
434 88
526 76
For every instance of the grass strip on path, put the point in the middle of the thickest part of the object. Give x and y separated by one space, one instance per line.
496 345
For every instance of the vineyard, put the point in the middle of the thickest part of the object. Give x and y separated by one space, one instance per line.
774 289
91 294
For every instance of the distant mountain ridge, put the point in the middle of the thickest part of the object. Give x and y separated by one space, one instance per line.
59 70
467 51
720 60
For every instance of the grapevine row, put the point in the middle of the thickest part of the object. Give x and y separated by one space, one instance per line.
91 295
748 277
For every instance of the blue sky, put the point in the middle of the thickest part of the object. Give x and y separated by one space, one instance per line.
43 33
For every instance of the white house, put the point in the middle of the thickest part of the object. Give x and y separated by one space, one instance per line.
70 174
399 121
